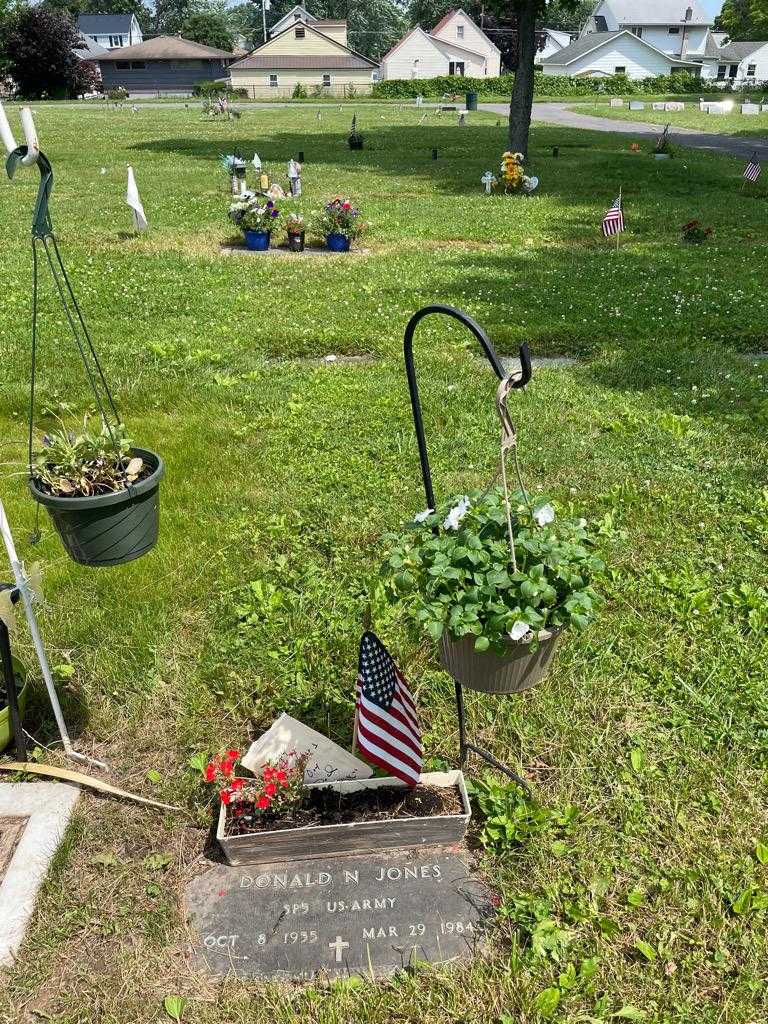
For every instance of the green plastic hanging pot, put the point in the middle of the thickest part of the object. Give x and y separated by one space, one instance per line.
6 729
109 529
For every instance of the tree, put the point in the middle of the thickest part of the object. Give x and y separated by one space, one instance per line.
39 46
568 17
745 20
211 28
170 15
245 20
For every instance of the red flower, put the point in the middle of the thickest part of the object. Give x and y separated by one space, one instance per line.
210 772
262 803
237 784
227 766
270 789
234 754
268 773
346 205
281 777
226 796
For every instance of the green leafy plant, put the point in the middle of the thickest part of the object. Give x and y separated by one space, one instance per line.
512 817
84 463
452 569
340 217
255 214
299 91
695 232
174 1006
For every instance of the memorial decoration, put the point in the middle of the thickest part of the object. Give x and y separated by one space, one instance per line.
234 165
294 177
257 219
327 761
133 200
96 528
695 232
296 230
355 139
662 149
341 223
488 180
512 181
100 490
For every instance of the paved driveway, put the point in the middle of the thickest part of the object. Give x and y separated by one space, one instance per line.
558 114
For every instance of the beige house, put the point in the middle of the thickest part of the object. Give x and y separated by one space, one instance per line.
309 52
455 46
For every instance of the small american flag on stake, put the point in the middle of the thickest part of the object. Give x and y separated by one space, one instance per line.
386 726
613 221
752 170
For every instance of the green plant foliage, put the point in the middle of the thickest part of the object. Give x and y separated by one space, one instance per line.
511 818
457 574
81 463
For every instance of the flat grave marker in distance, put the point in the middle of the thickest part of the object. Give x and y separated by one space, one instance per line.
367 915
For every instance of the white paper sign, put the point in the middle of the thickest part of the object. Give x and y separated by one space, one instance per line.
327 762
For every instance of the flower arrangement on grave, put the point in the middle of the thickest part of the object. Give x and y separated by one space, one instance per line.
458 577
277 790
257 218
82 463
341 223
295 227
512 180
355 139
662 146
695 232
234 165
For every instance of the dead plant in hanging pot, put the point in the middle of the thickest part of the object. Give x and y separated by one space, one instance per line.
496 611
101 492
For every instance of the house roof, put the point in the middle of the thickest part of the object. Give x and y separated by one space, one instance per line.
452 14
657 12
563 38
596 40
737 51
88 50
341 57
166 48
104 24
297 13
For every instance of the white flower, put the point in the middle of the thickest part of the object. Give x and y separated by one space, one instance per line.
519 629
544 515
457 513
422 517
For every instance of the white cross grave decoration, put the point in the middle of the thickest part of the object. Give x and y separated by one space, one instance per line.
339 945
487 180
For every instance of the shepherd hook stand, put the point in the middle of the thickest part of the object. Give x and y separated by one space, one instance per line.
418 423
42 231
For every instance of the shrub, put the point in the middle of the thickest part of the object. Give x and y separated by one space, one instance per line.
209 89
299 92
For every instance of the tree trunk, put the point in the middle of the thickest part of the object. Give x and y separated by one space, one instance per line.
522 91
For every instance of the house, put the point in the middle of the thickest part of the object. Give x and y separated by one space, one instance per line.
88 50
679 28
601 54
110 31
737 64
165 64
308 52
552 41
455 46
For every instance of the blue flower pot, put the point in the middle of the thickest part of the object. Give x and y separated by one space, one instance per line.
257 241
337 243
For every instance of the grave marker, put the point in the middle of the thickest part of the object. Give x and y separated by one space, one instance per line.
368 915
617 103
636 105
750 108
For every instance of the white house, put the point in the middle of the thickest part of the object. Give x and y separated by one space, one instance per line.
643 38
601 54
455 46
110 31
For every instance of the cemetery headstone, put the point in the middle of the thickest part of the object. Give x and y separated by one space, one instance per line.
617 102
657 106
674 105
328 762
462 119
555 151
419 101
750 108
370 915
636 105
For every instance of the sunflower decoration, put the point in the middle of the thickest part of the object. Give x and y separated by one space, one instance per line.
512 179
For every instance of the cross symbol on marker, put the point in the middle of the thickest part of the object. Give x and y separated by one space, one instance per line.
338 945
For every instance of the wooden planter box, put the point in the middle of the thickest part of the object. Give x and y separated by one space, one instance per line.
356 837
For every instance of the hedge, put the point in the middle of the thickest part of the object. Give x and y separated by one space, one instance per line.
544 85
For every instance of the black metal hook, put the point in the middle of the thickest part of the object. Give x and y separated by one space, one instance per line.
413 387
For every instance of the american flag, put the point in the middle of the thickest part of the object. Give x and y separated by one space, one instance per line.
613 221
388 733
752 170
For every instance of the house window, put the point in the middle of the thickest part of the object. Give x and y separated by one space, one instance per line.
125 65
721 69
751 70
326 81
138 65
115 41
637 31
299 32
459 31
733 70
273 81
674 30
620 69
456 67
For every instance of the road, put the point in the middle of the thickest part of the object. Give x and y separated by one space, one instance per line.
558 114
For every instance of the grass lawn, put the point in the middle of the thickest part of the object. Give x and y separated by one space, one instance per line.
284 470
736 123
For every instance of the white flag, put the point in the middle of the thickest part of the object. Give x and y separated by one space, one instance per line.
132 199
256 163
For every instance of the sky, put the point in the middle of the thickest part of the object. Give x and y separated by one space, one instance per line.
713 6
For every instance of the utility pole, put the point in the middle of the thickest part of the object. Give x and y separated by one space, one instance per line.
264 6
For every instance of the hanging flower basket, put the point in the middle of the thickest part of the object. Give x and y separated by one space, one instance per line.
518 669
6 729
112 528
